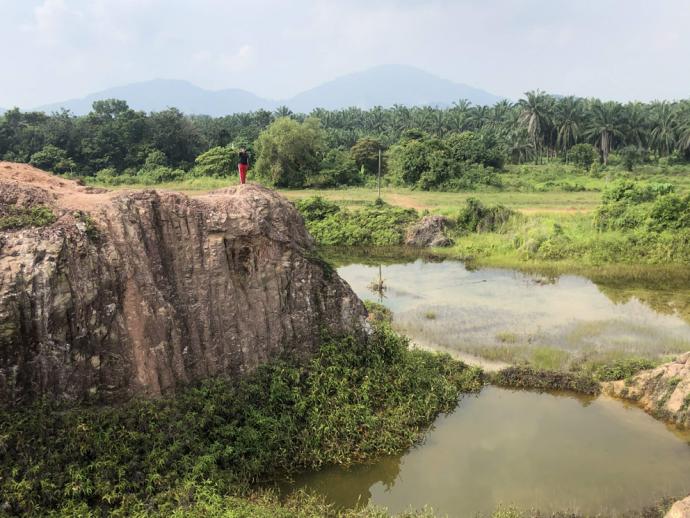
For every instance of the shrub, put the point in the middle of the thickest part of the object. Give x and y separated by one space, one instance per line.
160 174
372 226
626 206
13 217
337 168
217 162
365 154
623 368
582 155
316 208
476 217
530 378
630 156
289 152
635 192
351 402
670 212
52 158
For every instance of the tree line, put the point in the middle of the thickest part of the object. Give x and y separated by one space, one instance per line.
339 146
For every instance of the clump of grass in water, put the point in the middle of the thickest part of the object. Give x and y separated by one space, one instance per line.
530 378
507 337
351 402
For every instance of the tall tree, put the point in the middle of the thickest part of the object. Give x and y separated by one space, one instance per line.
567 122
535 115
605 126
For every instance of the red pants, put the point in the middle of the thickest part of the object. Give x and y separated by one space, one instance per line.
242 168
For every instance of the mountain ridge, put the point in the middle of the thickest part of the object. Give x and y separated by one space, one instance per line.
384 85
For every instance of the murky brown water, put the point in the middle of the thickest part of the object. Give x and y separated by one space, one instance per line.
446 305
533 450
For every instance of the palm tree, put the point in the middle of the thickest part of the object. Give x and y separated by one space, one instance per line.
282 111
401 118
605 126
635 126
519 145
500 112
479 116
325 116
567 121
664 122
535 116
375 120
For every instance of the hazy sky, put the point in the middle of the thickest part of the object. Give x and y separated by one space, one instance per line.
52 50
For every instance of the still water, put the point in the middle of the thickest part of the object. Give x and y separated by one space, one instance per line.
533 450
446 305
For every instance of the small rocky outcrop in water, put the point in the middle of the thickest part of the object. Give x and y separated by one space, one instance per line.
664 391
430 231
139 292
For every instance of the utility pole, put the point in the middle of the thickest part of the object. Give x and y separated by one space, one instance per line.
379 174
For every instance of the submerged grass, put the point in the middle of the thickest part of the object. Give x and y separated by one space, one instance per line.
351 402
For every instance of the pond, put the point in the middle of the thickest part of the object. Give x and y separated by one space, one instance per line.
509 316
533 450
552 452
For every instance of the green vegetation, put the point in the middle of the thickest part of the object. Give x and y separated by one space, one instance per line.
636 223
377 225
463 147
460 161
13 217
289 152
350 403
530 378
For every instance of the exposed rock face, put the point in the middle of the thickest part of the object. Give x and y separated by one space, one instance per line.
680 509
430 231
663 392
141 292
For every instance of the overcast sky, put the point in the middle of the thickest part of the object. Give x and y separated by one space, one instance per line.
52 50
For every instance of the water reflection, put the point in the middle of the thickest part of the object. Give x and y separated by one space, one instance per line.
493 311
533 450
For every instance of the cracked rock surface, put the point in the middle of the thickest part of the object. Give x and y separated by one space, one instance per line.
139 292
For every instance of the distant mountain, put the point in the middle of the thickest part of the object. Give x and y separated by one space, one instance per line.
387 85
160 94
2 110
383 85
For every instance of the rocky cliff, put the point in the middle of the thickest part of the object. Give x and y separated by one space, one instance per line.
118 293
664 391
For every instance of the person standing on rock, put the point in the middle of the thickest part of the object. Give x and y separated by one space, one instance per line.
243 165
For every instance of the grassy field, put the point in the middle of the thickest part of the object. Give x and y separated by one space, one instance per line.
554 188
450 202
438 202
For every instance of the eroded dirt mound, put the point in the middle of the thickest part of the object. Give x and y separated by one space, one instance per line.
430 231
664 392
141 291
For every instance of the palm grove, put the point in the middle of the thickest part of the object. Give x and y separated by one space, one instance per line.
454 148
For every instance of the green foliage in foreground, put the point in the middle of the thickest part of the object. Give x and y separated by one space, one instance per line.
13 217
351 402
